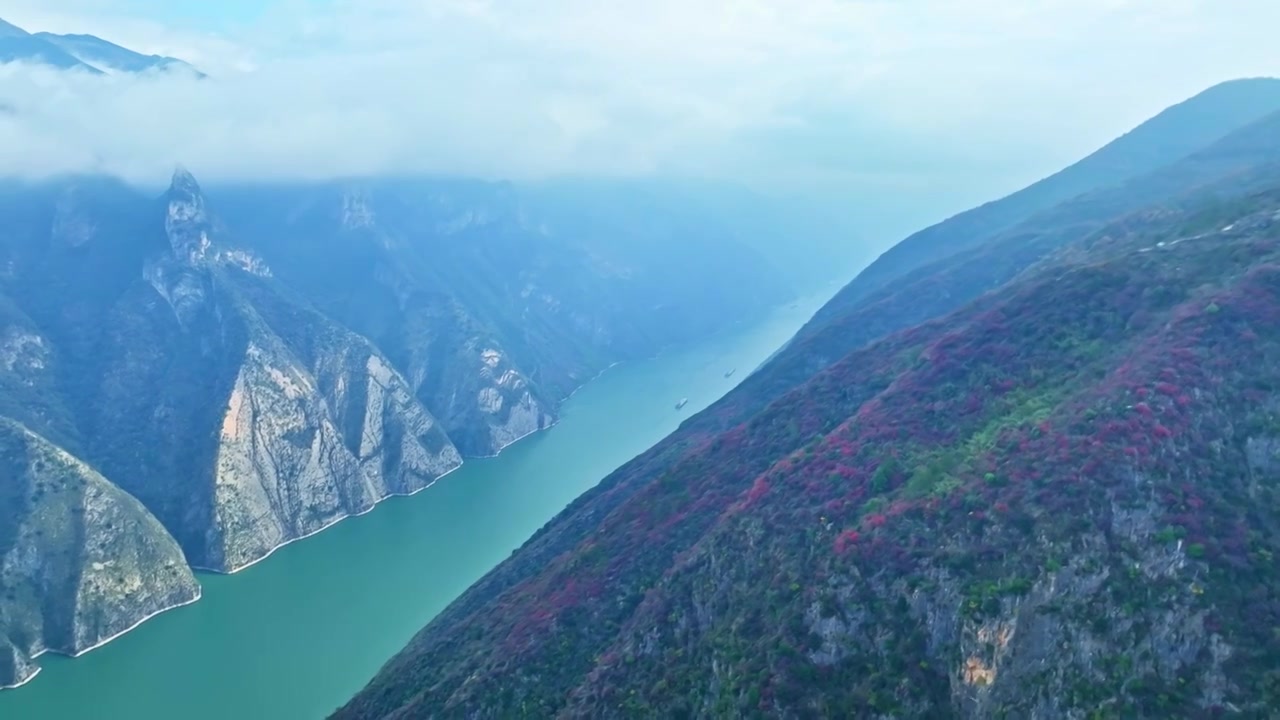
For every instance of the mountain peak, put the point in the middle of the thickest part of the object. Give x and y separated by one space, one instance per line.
183 183
186 222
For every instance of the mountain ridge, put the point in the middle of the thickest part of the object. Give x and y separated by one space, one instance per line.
1178 130
17 45
108 56
81 52
835 539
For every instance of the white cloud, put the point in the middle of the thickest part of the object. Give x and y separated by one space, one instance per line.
902 91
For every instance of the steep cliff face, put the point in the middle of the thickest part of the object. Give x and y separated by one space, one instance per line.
286 421
80 560
302 446
254 381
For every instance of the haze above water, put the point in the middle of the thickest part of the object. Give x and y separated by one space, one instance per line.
296 635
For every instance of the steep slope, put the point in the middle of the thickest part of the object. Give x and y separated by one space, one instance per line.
28 379
241 419
80 560
1234 166
18 45
1174 133
1059 500
1246 159
109 57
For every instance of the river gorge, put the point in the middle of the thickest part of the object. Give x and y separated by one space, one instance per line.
294 636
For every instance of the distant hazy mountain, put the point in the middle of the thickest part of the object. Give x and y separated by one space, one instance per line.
18 45
108 56
819 245
79 52
1177 131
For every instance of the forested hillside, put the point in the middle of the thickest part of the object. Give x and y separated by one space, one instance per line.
1037 479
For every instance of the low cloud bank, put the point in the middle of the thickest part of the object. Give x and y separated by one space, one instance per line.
781 92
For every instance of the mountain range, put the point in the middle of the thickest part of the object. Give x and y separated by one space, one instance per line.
85 53
1025 465
195 379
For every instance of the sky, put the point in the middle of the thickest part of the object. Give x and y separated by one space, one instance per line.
947 98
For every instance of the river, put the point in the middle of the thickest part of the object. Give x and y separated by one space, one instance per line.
298 634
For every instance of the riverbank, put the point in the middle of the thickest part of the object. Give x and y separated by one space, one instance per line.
391 495
388 496
329 524
102 642
291 541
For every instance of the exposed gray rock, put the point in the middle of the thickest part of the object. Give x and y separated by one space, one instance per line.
310 422
81 562
285 470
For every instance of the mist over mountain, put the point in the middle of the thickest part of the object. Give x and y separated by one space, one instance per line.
83 53
857 108
17 45
107 56
1022 464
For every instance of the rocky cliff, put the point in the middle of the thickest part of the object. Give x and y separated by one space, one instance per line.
305 442
263 421
80 560
255 368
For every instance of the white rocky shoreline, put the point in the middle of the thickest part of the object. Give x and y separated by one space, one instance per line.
199 592
100 643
